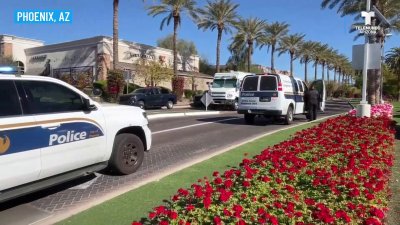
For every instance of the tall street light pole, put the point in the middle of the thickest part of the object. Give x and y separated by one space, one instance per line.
364 109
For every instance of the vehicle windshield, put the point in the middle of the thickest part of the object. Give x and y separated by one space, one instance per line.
140 90
224 83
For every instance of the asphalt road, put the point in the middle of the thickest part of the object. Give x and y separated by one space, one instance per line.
176 141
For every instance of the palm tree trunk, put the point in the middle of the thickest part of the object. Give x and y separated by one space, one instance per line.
249 52
327 73
176 23
315 68
218 48
334 75
272 58
291 64
323 71
305 71
115 34
371 87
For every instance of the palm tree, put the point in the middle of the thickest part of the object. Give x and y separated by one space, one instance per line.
323 58
393 61
291 44
220 15
249 33
174 9
317 54
273 35
115 33
305 54
330 62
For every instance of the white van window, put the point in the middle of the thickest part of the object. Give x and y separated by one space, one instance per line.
300 86
225 83
250 83
268 83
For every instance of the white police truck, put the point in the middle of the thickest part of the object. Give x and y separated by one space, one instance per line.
51 132
225 88
276 96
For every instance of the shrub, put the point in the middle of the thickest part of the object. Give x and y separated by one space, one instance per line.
115 83
131 87
334 173
189 93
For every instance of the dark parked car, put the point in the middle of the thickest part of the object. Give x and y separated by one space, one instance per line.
149 97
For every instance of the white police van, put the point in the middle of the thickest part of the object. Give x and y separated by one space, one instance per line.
275 95
51 132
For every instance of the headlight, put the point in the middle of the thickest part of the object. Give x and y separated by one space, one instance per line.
145 115
229 95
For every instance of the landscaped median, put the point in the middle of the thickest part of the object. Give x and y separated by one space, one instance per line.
333 173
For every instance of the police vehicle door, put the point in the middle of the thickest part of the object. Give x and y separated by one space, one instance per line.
72 138
19 153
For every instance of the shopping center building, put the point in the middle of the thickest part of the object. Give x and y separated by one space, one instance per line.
93 57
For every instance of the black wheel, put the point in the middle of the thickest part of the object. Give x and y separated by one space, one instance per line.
127 155
141 104
249 118
170 104
289 116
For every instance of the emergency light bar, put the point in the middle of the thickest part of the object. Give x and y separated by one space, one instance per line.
8 70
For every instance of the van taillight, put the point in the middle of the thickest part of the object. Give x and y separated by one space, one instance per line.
280 87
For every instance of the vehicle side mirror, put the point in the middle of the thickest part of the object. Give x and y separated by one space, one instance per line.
87 106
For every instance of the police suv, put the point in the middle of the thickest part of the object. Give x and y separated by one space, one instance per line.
275 95
51 132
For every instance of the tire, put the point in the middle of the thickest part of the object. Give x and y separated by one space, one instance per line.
141 104
170 104
289 115
249 118
127 155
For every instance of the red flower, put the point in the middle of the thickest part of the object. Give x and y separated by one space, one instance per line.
217 220
372 221
241 222
228 183
136 223
246 183
152 215
377 212
207 202
164 222
190 207
227 213
173 215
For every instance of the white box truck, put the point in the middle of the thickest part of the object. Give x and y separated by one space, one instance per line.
225 88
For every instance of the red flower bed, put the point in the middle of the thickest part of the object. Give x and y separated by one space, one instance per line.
334 173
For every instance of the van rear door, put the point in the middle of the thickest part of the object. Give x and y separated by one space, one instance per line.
320 87
268 94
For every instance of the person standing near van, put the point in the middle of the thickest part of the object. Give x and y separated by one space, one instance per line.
312 103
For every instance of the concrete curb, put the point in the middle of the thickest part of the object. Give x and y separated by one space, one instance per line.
170 115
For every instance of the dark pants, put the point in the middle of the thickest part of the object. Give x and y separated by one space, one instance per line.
312 111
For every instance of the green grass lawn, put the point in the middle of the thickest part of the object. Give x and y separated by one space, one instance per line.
137 203
394 205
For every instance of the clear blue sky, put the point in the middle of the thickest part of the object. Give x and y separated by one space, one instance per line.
94 17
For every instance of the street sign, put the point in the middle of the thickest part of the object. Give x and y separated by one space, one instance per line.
206 99
374 58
